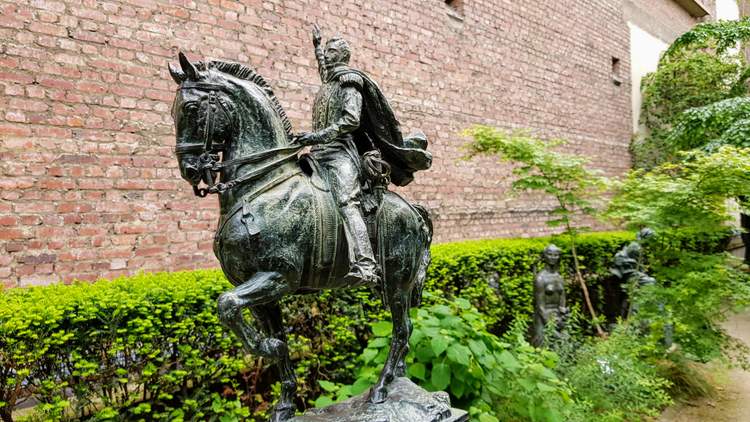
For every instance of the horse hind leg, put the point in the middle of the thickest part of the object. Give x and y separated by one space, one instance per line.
260 289
270 316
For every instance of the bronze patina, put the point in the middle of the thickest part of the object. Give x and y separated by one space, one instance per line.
549 297
294 223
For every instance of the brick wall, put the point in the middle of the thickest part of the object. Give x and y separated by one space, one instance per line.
89 185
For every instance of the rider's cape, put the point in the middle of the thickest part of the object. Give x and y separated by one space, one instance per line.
380 129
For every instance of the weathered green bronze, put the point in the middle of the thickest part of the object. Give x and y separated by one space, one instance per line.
549 297
295 223
630 268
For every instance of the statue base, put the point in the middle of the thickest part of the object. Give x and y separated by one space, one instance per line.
407 402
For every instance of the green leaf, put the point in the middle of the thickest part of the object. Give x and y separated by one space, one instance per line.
382 328
360 386
323 401
477 347
507 360
368 355
441 376
439 344
486 417
378 343
460 354
417 370
424 353
327 386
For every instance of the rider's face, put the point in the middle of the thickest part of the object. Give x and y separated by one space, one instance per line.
334 55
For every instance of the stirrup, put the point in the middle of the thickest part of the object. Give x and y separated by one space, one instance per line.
363 276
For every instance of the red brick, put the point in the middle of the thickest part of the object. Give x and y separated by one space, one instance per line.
88 143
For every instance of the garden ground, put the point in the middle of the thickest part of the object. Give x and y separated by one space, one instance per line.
732 403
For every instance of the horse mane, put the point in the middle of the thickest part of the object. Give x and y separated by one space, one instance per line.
246 73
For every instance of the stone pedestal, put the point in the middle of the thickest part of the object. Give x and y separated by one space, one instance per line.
407 402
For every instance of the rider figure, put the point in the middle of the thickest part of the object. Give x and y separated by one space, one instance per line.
336 115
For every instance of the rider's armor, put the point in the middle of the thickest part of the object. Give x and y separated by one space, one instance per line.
336 114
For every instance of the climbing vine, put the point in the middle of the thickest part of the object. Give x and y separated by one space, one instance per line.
700 68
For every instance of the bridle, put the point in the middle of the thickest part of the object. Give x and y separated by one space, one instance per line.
209 161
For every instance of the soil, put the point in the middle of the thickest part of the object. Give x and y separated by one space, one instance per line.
732 403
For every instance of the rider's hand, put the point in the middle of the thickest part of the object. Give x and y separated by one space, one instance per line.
316 36
310 138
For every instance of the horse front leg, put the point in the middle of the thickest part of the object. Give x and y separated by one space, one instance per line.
399 304
270 315
262 288
401 365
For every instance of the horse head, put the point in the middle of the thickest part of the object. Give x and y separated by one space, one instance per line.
222 111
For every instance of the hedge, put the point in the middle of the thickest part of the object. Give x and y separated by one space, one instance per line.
150 347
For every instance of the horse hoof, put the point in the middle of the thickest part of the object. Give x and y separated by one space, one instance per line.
400 370
378 395
281 414
273 348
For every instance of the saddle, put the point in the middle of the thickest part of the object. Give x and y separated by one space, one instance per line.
374 179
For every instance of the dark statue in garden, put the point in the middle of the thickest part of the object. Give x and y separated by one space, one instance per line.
296 223
549 297
630 268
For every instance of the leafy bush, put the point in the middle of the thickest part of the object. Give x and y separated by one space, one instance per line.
452 351
693 78
700 68
496 276
88 349
150 346
611 379
696 289
724 122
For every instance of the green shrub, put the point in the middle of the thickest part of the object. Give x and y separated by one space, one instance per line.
612 380
687 80
88 349
150 346
700 68
497 275
452 351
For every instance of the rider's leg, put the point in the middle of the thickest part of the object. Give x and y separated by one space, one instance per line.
344 181
260 289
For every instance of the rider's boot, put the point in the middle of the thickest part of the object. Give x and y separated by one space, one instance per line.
363 268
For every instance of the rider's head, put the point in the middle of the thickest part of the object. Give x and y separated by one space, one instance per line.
337 52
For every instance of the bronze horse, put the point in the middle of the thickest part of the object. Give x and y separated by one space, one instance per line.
277 234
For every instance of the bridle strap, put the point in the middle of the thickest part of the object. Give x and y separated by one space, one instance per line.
206 148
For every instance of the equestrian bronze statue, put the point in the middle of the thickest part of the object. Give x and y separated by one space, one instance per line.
294 222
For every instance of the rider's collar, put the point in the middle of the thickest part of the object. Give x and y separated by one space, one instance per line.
336 71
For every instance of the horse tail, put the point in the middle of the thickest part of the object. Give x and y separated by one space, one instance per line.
424 262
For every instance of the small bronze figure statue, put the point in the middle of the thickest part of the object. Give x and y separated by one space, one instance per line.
281 213
630 268
549 297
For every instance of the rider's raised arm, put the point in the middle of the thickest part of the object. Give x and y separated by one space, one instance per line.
319 55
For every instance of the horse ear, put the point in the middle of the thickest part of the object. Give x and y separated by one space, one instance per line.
190 71
177 74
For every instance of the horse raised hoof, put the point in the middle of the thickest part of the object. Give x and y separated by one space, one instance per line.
282 413
273 348
378 395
